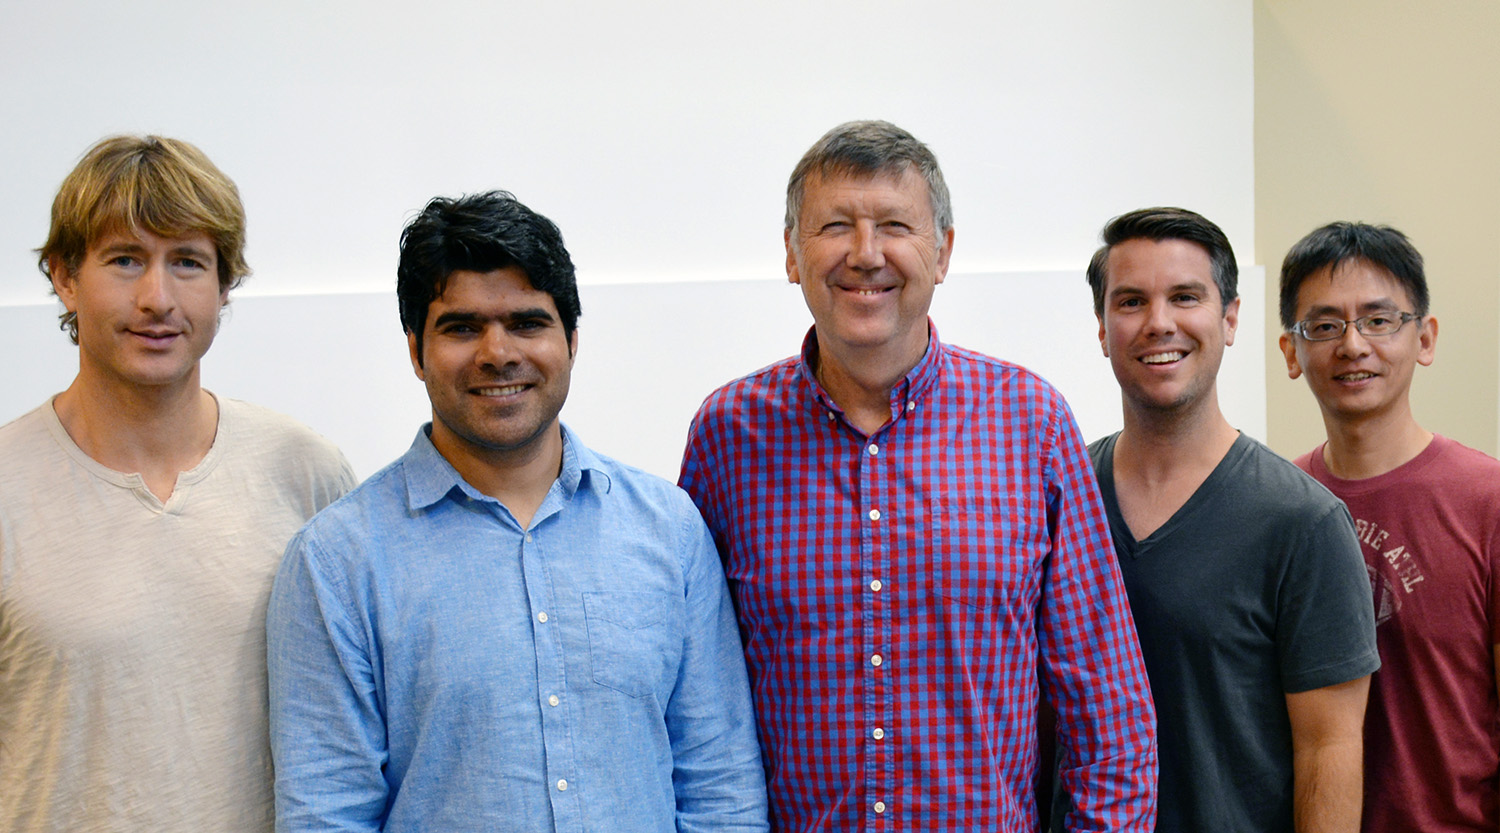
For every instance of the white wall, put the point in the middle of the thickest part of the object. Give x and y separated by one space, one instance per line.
659 137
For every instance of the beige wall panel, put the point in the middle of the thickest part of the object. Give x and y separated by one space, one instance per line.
1387 112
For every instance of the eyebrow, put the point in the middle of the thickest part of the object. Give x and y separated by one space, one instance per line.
461 316
196 251
1188 286
132 247
122 247
1377 305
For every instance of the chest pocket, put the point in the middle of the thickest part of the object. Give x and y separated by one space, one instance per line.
987 554
634 639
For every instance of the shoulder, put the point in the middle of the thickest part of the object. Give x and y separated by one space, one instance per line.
1305 461
770 384
260 425
35 462
1276 491
637 490
20 436
276 438
1465 481
1469 462
377 500
972 375
973 364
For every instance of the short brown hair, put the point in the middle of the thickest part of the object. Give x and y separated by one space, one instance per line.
165 186
866 148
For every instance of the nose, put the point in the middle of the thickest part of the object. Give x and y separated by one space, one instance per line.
866 252
154 289
1352 344
497 347
1159 320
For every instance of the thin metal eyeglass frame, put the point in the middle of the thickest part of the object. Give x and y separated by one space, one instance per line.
1300 328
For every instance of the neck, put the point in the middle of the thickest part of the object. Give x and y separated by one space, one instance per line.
861 383
157 432
1161 445
519 477
1374 445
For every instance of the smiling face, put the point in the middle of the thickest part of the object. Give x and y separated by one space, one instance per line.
147 307
1163 327
497 366
1357 377
867 256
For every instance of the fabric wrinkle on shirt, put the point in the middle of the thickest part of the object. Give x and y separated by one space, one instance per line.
582 674
889 587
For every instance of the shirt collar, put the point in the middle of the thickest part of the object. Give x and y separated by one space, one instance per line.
913 386
430 477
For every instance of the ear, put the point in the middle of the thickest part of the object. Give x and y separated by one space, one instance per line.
416 358
1288 344
944 254
64 283
792 274
1231 321
1427 341
573 347
1103 342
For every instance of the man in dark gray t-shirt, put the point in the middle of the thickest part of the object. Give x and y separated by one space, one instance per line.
1245 579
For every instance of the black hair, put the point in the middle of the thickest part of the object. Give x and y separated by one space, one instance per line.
481 233
1336 243
1165 223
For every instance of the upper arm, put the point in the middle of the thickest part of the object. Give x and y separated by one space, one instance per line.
327 732
1325 620
1091 665
717 770
1329 715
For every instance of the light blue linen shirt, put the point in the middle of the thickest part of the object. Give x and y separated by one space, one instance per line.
435 667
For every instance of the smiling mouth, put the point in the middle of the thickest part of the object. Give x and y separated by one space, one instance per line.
499 390
867 291
1164 358
1356 376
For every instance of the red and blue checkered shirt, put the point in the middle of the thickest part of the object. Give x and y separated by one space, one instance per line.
896 591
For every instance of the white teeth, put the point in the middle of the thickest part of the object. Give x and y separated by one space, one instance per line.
1356 377
501 391
1163 358
867 291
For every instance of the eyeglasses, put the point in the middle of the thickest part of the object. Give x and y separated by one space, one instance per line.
1374 324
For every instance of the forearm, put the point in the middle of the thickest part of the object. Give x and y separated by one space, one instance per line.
1329 787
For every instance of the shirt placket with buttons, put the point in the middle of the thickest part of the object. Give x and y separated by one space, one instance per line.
551 674
875 502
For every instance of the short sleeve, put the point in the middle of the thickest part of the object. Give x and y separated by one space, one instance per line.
1325 624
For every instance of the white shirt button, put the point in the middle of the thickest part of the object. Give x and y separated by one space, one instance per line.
562 783
911 406
528 537
873 449
552 701
876 660
830 414
876 585
880 806
878 733
542 616
874 514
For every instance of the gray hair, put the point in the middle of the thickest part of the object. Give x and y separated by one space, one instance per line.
866 148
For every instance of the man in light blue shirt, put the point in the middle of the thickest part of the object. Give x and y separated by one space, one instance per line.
502 629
